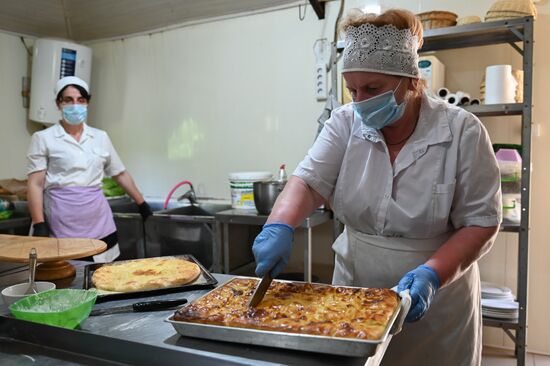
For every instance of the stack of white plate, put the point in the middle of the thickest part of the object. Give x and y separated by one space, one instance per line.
498 302
496 292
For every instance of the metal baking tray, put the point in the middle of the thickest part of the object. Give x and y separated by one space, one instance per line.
204 281
296 341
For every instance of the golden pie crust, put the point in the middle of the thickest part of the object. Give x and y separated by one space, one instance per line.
362 313
145 274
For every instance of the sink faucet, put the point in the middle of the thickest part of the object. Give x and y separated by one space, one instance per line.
191 190
189 195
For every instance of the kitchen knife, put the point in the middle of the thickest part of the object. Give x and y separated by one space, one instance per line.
260 291
140 307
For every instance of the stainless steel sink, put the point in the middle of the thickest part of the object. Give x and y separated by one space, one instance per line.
178 230
203 212
183 230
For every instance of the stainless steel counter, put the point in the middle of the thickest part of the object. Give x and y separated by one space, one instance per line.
251 217
134 338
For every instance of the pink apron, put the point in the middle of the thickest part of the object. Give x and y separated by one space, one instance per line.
80 212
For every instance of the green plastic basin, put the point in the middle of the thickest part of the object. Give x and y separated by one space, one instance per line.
62 308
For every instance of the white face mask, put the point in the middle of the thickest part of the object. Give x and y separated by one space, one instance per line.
75 114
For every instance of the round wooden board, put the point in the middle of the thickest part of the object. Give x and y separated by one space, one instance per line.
55 271
15 248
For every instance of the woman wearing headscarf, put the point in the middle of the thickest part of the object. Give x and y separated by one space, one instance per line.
416 183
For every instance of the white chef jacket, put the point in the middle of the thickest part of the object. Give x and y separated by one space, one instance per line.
445 177
73 163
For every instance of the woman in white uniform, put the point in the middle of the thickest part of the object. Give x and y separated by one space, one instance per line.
66 164
416 183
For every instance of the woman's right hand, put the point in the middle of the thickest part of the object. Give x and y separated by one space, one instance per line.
272 248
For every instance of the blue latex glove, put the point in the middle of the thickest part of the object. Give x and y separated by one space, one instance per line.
272 249
422 283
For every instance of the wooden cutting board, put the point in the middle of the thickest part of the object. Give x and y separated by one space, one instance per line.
15 248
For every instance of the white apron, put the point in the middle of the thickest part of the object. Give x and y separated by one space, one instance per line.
450 332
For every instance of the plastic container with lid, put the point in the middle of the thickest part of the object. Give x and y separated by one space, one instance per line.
242 188
509 163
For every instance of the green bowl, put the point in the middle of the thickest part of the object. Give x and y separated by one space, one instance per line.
63 308
4 215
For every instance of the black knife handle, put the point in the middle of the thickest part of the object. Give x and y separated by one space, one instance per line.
157 305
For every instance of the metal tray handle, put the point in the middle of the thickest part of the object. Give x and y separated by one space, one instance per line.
405 306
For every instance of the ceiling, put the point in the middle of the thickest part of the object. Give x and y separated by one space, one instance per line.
85 20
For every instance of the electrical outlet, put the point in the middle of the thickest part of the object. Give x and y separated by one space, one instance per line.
322 50
321 81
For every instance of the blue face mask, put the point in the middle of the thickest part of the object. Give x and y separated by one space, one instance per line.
380 111
75 114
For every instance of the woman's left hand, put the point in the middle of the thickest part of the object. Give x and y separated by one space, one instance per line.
423 283
144 210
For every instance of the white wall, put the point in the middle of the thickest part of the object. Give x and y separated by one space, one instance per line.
14 129
203 101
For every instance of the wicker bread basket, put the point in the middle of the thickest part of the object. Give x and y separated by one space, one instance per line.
437 19
518 75
494 18
501 15
506 12
468 20
505 9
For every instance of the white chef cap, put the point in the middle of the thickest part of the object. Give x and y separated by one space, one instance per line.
70 80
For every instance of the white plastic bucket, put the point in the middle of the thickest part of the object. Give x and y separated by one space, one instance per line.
242 188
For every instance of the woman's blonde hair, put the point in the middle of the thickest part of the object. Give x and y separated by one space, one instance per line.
399 18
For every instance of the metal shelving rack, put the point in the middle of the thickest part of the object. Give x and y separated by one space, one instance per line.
518 33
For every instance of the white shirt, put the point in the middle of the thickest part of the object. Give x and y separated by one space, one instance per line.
445 177
73 163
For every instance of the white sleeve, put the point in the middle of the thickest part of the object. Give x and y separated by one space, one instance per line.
114 165
477 199
37 154
321 166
